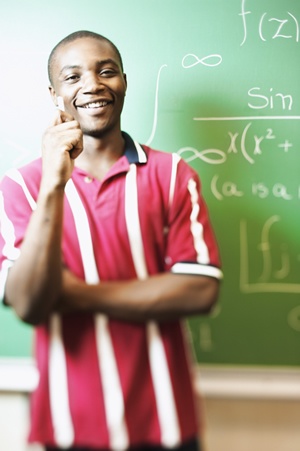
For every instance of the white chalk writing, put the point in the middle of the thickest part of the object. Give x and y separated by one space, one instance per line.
266 26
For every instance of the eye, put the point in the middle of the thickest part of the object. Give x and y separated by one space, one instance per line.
71 78
107 73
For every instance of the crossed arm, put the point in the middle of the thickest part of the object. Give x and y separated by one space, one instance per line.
38 284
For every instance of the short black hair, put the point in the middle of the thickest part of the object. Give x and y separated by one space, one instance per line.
72 37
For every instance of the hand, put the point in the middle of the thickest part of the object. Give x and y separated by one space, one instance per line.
62 144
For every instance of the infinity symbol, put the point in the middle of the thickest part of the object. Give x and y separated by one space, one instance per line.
202 155
202 61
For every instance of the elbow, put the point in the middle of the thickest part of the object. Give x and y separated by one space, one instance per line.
27 311
27 315
31 297
210 297
209 307
30 317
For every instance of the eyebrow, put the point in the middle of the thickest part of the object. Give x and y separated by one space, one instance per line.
100 63
69 67
107 61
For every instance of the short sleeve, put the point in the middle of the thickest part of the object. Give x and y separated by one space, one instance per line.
16 207
191 243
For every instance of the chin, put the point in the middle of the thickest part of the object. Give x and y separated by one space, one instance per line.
94 133
98 132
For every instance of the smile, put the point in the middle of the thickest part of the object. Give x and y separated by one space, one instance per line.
95 104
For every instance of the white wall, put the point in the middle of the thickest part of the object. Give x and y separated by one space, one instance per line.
14 422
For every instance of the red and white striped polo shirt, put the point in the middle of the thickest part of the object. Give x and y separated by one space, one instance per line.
106 383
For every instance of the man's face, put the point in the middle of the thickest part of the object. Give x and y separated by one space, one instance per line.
87 74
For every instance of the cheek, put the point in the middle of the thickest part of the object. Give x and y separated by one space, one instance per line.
119 88
68 108
69 104
121 94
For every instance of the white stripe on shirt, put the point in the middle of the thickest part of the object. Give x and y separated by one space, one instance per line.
166 408
133 224
58 386
197 269
7 229
196 226
9 250
141 153
8 234
83 233
112 390
17 177
175 160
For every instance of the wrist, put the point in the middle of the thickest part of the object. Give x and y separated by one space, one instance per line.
51 200
52 186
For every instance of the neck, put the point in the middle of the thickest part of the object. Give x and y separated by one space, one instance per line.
100 153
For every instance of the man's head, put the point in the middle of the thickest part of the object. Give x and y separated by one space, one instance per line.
72 37
86 70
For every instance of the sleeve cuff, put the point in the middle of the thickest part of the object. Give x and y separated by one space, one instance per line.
197 269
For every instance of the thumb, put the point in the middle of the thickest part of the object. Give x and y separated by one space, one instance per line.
59 117
60 103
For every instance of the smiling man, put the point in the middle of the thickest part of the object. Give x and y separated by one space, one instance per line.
105 245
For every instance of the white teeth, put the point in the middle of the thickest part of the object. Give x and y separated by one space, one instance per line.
95 104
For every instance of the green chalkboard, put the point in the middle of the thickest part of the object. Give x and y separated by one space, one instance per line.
217 82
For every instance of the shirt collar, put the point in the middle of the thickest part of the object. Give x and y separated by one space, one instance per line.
134 152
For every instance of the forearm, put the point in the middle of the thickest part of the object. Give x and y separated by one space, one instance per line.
34 282
161 297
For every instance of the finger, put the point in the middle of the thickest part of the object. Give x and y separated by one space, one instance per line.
75 152
71 141
77 149
59 117
65 126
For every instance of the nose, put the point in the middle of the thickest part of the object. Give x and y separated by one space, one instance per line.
91 83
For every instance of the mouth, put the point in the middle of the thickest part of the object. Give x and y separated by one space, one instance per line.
95 105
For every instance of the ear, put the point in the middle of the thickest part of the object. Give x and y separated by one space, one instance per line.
53 95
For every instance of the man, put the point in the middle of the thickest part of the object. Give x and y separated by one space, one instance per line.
106 245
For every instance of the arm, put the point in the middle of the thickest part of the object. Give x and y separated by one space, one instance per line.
34 282
164 296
